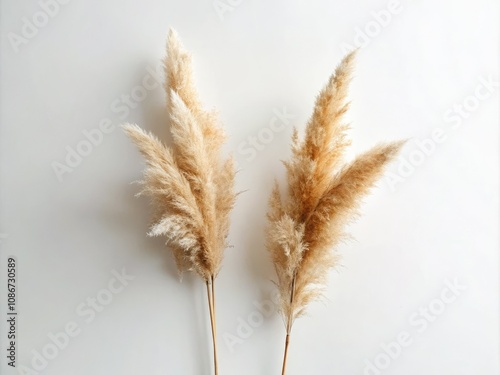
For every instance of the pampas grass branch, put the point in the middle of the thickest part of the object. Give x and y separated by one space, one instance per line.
323 193
191 186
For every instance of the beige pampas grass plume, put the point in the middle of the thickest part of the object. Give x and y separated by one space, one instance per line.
322 196
190 185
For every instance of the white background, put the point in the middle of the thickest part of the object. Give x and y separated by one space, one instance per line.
438 223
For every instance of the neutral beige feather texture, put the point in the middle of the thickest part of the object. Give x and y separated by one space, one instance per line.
306 223
191 186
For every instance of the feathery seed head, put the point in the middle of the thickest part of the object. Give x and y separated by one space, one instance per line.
190 185
322 196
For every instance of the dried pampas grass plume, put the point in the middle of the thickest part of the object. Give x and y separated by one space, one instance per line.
322 196
190 185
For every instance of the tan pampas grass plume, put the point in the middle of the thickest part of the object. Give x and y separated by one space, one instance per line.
322 196
190 185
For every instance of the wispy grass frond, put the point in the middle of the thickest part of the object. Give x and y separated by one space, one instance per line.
191 185
322 196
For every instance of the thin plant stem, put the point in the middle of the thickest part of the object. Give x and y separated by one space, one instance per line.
212 323
213 303
289 326
287 342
